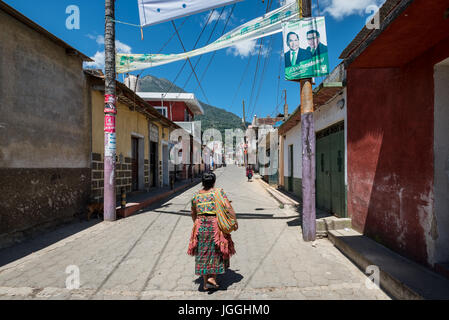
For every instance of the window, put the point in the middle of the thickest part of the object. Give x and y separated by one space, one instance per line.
162 111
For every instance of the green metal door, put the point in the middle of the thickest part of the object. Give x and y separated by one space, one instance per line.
290 168
337 149
330 181
323 182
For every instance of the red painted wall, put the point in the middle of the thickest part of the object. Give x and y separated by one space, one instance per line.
178 109
390 152
176 112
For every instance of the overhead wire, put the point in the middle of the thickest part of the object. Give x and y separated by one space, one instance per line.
257 64
267 58
215 52
185 62
190 63
255 74
166 43
207 42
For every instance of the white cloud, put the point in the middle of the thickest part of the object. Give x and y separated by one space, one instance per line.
341 8
99 56
98 61
215 16
246 48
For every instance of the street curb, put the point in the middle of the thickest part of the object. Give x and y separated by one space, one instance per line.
135 207
281 199
406 285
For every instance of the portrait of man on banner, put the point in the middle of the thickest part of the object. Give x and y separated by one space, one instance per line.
305 48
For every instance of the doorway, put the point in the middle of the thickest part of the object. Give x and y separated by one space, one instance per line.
165 173
134 164
290 168
153 164
330 170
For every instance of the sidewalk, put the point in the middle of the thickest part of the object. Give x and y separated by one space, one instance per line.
138 201
401 278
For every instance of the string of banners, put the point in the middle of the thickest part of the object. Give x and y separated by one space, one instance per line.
305 45
266 25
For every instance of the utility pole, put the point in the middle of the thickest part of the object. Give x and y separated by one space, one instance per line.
110 112
308 149
285 105
245 147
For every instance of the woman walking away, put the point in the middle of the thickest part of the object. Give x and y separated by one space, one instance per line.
211 246
249 172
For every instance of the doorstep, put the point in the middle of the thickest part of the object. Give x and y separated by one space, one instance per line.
400 277
144 200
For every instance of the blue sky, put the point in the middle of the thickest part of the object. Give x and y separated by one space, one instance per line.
344 20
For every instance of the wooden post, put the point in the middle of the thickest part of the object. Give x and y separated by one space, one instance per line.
308 150
110 112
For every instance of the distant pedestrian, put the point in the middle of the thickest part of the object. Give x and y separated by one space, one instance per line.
249 172
211 246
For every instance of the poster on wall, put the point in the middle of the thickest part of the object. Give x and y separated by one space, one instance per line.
305 48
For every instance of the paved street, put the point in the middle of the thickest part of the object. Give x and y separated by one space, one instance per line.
144 256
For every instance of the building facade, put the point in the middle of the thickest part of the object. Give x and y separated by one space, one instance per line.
330 154
398 142
44 128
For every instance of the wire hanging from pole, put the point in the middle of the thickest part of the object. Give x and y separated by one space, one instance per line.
207 42
190 62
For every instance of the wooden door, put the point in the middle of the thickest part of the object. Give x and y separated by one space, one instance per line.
153 164
135 164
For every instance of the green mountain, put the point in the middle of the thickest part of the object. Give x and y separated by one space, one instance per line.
213 117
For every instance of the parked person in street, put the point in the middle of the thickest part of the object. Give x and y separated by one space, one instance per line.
211 247
249 172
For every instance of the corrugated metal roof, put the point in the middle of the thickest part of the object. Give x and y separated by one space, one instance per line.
20 17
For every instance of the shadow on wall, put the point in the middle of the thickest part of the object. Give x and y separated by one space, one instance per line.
390 157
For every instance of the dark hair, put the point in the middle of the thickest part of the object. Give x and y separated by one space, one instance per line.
208 180
315 32
290 33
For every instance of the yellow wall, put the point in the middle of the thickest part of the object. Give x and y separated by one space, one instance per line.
127 122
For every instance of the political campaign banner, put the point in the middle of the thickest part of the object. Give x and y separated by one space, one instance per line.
264 26
156 11
305 48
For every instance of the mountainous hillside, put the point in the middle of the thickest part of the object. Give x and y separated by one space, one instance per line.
213 117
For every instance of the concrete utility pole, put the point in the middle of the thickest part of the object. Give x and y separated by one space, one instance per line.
110 111
308 149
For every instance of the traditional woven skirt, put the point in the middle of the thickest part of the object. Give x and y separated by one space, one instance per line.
212 249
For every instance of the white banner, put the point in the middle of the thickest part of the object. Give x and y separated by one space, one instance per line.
157 11
264 26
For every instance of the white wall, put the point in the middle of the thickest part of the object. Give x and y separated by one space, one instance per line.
441 161
293 137
324 117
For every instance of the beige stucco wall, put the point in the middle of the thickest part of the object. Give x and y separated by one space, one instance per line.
44 110
128 122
